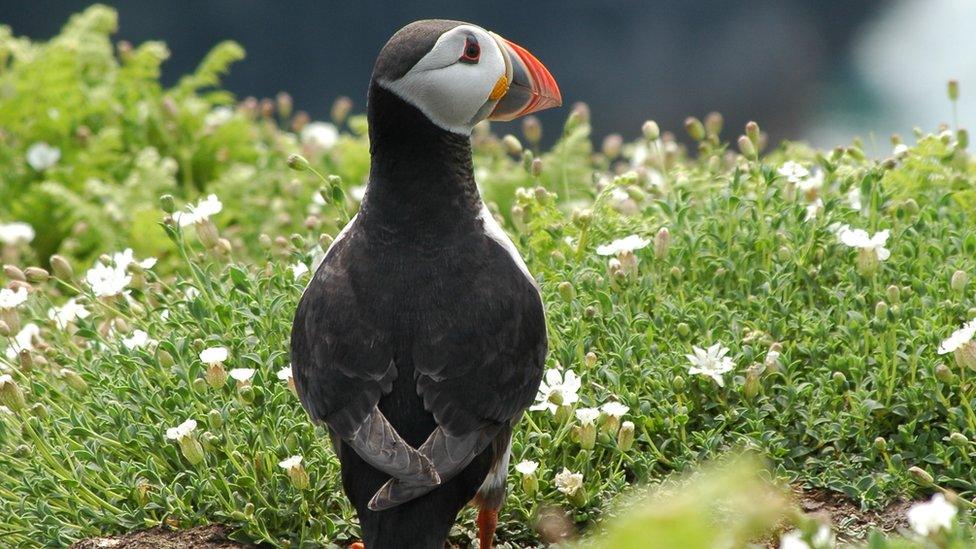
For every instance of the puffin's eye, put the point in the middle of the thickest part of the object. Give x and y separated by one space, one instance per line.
472 51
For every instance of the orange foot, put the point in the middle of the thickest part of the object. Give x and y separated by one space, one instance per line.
357 545
487 521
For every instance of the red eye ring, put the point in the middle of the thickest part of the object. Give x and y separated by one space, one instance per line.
471 53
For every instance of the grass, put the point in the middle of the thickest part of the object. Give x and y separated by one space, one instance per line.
835 373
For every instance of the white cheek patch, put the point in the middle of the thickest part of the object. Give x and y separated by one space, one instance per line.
452 94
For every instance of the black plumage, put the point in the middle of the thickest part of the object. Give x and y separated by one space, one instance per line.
418 317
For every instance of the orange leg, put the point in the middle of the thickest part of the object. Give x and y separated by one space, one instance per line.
487 521
357 545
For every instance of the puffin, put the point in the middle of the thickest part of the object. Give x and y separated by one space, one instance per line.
421 338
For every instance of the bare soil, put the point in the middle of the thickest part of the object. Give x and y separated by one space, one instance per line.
212 536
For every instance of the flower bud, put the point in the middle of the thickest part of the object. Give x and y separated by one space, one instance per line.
625 436
959 439
532 129
536 167
285 104
11 395
215 419
751 387
678 383
651 130
36 275
192 449
962 138
839 379
167 203
683 329
589 312
590 359
5 330
199 385
662 243
747 147
694 128
587 435
612 145
530 484
74 380
894 293
297 162
14 273
566 291
713 124
881 310
880 445
512 145
943 373
753 133
920 476
341 108
953 90
959 281
62 268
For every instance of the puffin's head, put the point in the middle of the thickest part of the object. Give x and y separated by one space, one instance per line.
459 74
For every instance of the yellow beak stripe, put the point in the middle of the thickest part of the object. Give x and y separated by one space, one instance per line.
500 89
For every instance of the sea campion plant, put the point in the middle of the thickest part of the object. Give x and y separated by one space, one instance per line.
794 303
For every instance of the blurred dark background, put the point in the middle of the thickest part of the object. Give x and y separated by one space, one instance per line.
822 71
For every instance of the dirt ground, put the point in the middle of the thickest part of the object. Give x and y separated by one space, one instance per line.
850 523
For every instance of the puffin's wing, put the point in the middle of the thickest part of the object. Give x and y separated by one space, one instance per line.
343 365
477 368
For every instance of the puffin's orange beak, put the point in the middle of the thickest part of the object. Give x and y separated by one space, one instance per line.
526 87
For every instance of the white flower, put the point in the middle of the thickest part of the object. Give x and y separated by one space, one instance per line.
213 355
557 387
10 299
793 172
900 149
23 340
242 374
321 135
822 539
290 463
285 373
202 211
298 270
67 313
125 258
527 467
218 116
107 281
932 516
615 409
137 340
587 415
627 244
358 192
16 233
854 198
811 184
42 156
181 431
958 338
711 362
813 209
858 238
569 482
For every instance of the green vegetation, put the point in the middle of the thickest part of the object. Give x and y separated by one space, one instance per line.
818 344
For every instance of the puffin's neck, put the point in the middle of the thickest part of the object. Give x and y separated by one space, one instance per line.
421 176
